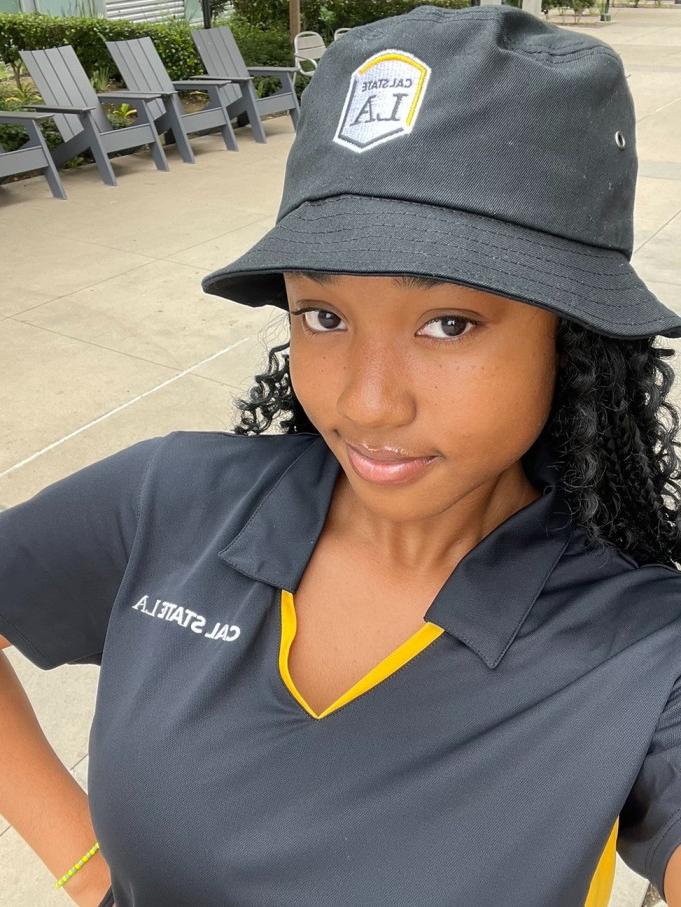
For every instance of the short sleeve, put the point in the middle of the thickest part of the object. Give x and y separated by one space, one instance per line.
63 554
650 821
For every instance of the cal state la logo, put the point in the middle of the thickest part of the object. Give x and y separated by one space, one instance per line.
383 100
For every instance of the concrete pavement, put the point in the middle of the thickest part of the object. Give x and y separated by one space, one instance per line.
106 337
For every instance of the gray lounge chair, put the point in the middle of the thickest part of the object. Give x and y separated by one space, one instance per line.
143 70
222 58
33 155
79 115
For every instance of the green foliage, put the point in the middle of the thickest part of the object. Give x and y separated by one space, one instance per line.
325 16
350 13
577 7
13 137
123 115
33 31
265 14
218 9
100 77
260 47
21 96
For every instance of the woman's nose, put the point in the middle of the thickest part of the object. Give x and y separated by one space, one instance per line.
377 387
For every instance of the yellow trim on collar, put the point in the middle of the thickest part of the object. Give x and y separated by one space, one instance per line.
602 880
416 643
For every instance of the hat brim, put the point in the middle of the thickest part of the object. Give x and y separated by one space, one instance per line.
365 235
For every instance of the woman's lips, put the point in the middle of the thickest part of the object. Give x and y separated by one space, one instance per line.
387 472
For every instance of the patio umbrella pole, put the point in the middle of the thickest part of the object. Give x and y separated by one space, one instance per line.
207 18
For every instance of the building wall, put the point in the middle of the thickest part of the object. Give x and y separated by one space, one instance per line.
153 10
134 10
66 7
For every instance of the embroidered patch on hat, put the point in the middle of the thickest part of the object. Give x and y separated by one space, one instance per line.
383 100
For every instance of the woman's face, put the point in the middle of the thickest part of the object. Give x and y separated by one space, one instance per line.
447 371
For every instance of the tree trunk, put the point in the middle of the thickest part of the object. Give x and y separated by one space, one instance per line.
293 18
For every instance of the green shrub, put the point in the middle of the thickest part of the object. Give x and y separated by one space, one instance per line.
324 16
262 47
34 31
13 137
575 6
266 14
172 38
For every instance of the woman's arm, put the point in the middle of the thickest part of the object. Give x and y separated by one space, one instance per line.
41 799
672 879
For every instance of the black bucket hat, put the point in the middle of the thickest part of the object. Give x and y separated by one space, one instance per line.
481 145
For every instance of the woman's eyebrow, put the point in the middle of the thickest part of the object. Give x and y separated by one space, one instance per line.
406 281
417 281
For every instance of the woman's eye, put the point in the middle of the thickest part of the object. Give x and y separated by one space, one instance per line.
313 318
445 327
450 326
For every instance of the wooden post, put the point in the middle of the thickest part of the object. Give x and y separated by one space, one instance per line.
293 18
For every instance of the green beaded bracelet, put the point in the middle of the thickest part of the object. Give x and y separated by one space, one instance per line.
79 865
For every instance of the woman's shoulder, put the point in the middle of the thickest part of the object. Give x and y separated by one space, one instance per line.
203 461
619 590
222 447
210 482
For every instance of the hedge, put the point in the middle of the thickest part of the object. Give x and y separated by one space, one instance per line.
326 17
33 31
260 28
173 40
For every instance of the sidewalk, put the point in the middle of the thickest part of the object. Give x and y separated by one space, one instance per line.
106 337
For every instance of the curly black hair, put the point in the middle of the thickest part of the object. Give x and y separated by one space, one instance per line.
615 451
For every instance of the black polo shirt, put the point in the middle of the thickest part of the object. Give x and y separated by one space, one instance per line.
496 757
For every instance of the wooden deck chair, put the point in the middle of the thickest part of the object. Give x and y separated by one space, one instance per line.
308 49
222 59
142 69
79 115
33 155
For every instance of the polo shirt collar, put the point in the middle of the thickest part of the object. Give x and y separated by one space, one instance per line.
487 596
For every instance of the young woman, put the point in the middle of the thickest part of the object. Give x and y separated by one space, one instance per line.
419 643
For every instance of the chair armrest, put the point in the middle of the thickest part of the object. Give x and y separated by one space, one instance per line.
20 116
214 78
132 95
49 108
199 84
274 70
299 68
